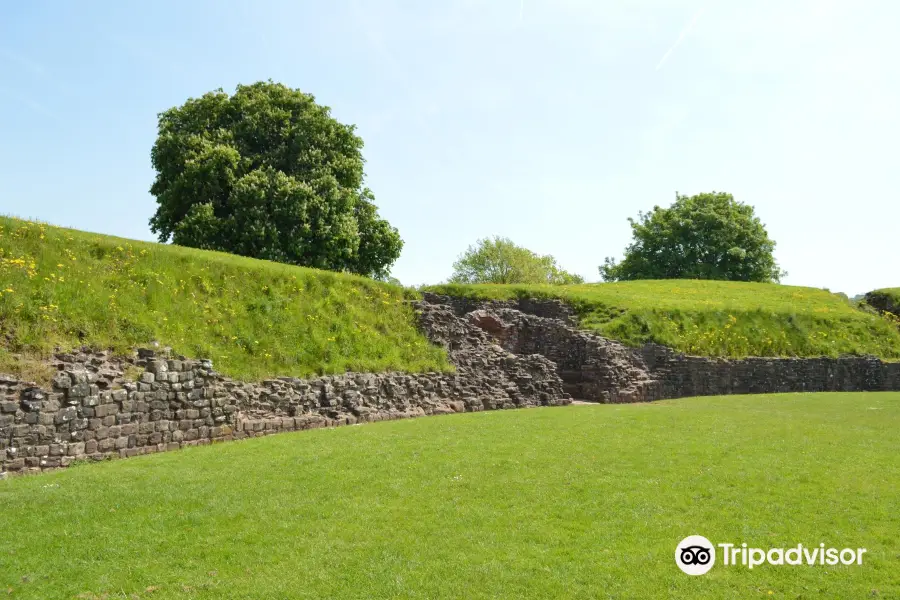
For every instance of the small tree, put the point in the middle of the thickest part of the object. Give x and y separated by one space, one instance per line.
499 260
707 236
268 173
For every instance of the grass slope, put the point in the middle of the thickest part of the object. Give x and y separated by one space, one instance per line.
253 318
570 502
716 318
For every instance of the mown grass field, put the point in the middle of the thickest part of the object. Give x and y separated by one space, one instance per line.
253 318
716 318
570 502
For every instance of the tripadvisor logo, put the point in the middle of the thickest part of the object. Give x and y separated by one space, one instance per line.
696 555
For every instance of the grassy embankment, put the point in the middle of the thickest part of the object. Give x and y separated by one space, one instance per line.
717 318
253 318
571 502
257 319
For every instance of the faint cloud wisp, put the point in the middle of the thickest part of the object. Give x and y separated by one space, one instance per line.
681 36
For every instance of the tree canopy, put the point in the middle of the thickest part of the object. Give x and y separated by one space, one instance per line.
707 236
499 260
268 173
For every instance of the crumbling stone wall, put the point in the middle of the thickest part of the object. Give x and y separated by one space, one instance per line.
594 368
591 367
507 355
548 308
92 411
682 375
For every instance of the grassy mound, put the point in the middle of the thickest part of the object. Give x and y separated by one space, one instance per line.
487 505
60 287
716 318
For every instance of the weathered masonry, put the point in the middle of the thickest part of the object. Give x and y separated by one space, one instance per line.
507 354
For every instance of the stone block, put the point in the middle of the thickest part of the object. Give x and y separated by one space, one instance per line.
76 449
62 380
65 415
105 410
50 462
80 390
159 366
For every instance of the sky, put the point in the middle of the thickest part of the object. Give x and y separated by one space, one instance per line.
550 122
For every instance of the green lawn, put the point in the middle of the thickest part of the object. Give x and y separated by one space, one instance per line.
571 502
253 318
716 318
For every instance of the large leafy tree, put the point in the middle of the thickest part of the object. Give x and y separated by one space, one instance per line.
268 173
499 260
707 236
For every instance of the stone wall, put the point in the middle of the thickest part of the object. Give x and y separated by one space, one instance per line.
682 375
548 308
513 354
92 411
597 369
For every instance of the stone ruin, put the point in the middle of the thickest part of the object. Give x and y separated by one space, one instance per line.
513 354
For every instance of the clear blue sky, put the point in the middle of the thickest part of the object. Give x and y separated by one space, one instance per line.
547 121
